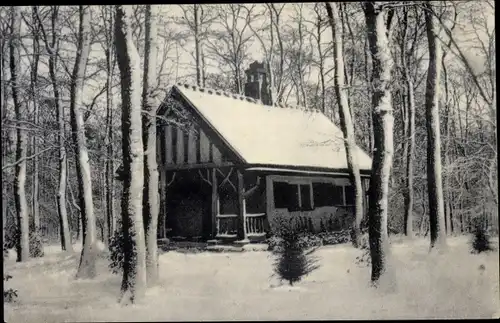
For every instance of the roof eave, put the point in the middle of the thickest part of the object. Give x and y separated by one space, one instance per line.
304 169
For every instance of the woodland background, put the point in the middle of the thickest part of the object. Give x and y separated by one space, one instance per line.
212 45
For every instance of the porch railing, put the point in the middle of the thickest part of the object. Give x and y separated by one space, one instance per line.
227 225
255 224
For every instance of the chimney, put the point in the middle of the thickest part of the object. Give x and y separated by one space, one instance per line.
256 85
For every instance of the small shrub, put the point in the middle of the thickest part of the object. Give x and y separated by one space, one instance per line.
36 246
331 224
273 242
116 252
310 226
10 237
322 227
481 240
309 241
293 258
5 251
9 295
365 259
336 237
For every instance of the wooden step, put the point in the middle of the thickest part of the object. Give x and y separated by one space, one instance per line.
257 237
224 248
226 236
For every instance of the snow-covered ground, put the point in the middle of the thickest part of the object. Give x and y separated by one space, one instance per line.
236 286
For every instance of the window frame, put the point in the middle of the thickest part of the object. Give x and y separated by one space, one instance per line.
343 182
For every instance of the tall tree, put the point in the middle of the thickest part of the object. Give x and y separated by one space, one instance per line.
409 137
151 199
434 180
197 18
200 80
319 27
52 47
346 122
274 56
301 54
4 48
134 265
22 241
87 265
35 205
383 120
108 18
230 41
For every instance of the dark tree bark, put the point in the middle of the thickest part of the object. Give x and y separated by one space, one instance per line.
346 121
87 268
410 134
22 214
434 169
109 168
35 204
3 107
151 199
134 265
383 120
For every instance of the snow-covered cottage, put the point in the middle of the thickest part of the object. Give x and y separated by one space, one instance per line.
241 162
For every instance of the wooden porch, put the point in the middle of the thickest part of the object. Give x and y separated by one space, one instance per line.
230 191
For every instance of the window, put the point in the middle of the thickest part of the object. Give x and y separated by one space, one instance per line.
286 196
349 195
327 194
305 197
294 197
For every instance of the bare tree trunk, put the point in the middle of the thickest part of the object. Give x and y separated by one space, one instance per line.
300 64
151 199
79 213
22 241
197 45
110 183
321 58
383 138
409 138
346 122
203 74
370 119
35 205
87 267
52 47
134 266
3 107
434 182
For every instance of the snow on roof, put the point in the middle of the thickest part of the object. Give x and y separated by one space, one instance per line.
271 135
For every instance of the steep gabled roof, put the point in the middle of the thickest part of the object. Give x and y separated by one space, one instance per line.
271 135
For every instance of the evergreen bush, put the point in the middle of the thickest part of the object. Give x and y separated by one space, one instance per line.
294 258
481 240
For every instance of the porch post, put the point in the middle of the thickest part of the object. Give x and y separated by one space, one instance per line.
269 201
163 203
242 232
215 210
163 183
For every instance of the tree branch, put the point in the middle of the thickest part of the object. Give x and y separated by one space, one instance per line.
26 158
